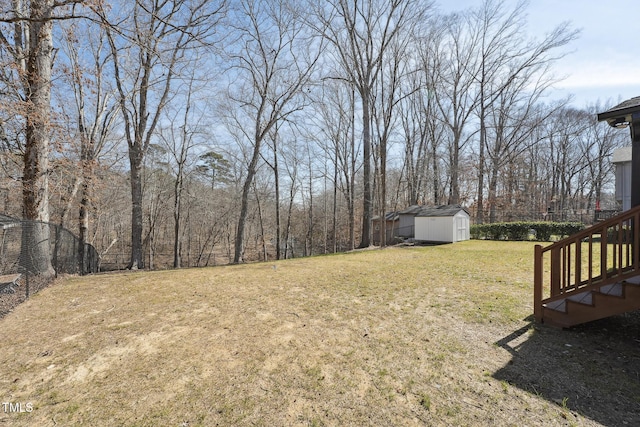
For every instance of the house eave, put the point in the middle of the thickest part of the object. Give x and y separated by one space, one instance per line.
622 114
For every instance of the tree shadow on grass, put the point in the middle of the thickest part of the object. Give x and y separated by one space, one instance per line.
592 369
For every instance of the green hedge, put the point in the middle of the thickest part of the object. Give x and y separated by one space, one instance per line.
525 230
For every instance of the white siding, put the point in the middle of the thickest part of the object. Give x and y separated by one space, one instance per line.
443 229
434 229
623 184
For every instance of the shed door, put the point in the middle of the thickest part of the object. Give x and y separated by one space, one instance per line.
461 228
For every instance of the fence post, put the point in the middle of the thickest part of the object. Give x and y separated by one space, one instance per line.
537 283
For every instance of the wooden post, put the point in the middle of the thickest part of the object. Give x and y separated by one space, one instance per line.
635 232
635 173
537 283
635 160
556 270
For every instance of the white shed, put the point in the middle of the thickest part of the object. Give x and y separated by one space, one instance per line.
446 224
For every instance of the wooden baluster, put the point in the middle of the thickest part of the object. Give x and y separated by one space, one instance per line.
555 271
619 244
590 273
603 253
567 267
578 262
538 272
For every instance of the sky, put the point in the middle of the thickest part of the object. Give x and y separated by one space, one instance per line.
603 63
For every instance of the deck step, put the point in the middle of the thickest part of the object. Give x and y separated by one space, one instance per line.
561 305
582 298
633 280
612 289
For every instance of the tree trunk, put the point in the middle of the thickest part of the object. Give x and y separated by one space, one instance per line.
436 172
35 253
83 217
481 160
244 204
454 189
135 163
265 255
352 178
310 229
493 193
366 150
276 177
176 219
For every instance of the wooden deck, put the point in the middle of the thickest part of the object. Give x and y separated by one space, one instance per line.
590 275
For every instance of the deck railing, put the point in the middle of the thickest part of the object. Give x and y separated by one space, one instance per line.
597 256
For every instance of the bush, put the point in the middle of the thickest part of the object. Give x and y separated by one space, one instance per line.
525 230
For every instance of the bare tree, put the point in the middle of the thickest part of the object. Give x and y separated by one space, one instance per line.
562 133
423 132
391 88
335 123
597 146
274 59
273 163
158 185
26 42
452 56
512 124
179 140
497 30
94 112
361 33
510 69
151 42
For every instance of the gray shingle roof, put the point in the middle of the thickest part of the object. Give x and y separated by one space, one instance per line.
629 106
389 216
434 211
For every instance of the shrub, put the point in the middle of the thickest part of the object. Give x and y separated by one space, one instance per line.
524 230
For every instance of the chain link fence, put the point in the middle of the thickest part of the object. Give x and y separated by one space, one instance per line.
32 254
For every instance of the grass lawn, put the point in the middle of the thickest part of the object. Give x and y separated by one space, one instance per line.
397 337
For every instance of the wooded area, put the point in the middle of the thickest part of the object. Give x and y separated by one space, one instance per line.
201 132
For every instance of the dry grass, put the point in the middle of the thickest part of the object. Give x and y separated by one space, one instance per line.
402 336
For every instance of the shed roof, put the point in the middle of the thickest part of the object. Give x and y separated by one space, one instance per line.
411 210
389 216
425 211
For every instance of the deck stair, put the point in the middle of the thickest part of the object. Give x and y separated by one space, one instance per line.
591 275
608 300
